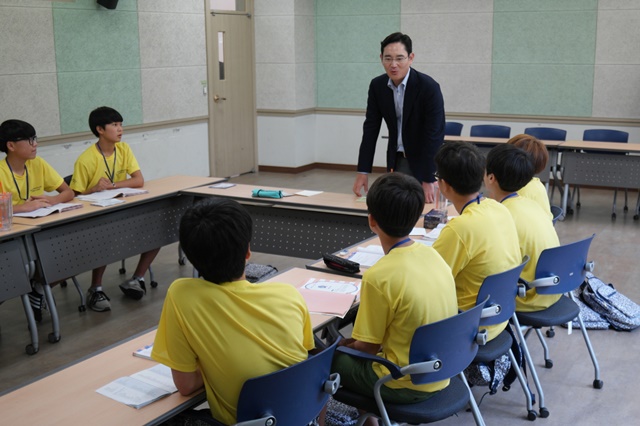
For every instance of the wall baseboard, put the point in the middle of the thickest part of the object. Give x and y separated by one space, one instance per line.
312 166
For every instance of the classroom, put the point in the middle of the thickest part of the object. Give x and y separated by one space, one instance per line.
573 65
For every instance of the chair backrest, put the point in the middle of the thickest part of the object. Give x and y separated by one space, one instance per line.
557 213
547 133
567 262
451 128
67 179
293 396
490 131
501 289
605 135
451 340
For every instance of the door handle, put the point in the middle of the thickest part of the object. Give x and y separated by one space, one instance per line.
217 98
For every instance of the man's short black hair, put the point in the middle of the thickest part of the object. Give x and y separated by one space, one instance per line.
461 165
215 234
102 116
13 131
512 167
396 38
396 201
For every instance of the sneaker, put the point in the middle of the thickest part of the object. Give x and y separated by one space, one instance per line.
37 304
134 288
98 300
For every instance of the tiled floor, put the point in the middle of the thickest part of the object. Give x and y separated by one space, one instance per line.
569 395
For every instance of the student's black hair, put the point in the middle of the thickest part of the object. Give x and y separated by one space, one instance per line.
13 131
512 166
396 201
215 235
102 116
396 38
461 165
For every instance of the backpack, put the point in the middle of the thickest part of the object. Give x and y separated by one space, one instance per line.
621 312
591 319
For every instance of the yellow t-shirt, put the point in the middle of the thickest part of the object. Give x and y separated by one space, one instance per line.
91 166
482 241
232 332
536 191
535 233
42 178
409 287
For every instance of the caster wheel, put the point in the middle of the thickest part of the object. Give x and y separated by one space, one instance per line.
578 205
626 208
506 388
532 415
551 333
569 211
613 215
30 350
122 271
598 384
82 308
52 338
154 284
63 284
544 413
181 261
548 363
636 217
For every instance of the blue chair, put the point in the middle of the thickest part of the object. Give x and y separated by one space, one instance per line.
491 131
292 396
605 135
547 133
451 128
560 270
438 351
501 291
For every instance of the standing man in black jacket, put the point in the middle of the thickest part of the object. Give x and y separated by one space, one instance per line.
411 105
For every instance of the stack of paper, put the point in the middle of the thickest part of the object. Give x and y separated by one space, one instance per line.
142 388
330 297
112 193
46 211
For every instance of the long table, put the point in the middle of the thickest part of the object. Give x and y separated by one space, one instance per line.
15 273
68 396
79 240
596 167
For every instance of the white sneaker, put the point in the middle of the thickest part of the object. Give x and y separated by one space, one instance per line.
134 288
98 300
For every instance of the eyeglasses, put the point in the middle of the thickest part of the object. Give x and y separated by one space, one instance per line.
32 140
398 59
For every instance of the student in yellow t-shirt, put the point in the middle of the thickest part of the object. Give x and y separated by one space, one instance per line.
220 330
27 177
108 164
409 287
482 240
509 168
534 189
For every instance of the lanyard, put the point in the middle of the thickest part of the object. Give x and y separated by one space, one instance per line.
399 243
515 194
477 199
26 174
110 173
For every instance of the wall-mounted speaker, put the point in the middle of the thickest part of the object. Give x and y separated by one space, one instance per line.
109 4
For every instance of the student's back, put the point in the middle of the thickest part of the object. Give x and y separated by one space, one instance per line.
537 192
482 241
535 234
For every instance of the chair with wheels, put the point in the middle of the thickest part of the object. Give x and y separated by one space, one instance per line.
451 128
560 270
605 135
438 351
292 396
501 291
490 131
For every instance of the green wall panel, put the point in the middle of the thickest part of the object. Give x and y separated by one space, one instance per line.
81 92
357 7
530 89
345 85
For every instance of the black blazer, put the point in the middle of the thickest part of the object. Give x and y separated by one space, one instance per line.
423 124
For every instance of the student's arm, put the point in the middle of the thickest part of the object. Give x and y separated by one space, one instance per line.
30 205
135 181
187 383
64 194
370 348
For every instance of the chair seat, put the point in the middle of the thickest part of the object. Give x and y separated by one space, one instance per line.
494 348
450 400
563 311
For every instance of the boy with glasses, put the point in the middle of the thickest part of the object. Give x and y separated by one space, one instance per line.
27 177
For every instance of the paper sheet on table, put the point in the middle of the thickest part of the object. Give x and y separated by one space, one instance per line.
307 193
418 232
367 256
327 303
333 286
142 388
435 233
